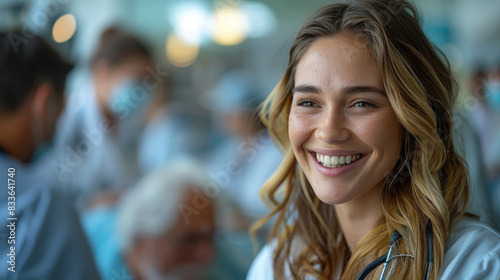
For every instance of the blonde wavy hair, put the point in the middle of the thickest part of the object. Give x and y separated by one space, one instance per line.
428 184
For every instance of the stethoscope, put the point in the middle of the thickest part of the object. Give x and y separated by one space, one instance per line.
386 258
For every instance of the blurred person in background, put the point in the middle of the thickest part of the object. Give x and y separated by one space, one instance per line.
46 241
486 121
239 164
246 156
467 144
165 227
171 132
97 139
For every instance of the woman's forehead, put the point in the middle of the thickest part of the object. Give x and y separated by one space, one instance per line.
336 62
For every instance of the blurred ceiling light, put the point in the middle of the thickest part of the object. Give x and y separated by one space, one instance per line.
180 53
262 21
64 28
229 26
189 20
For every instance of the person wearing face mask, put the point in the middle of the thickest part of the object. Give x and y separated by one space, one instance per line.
97 143
43 238
486 120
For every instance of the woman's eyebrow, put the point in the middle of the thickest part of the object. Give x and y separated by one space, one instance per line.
306 88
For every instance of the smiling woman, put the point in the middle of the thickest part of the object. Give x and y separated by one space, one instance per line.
370 185
348 115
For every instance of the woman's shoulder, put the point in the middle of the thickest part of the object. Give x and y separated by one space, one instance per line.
262 266
473 233
472 252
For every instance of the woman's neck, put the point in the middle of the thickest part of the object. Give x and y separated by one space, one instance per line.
358 216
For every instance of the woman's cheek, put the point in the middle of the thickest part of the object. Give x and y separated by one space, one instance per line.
294 128
299 130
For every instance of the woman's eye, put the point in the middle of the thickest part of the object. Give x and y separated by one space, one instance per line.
363 104
306 103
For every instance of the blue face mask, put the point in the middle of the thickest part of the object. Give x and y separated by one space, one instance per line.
129 103
492 95
129 99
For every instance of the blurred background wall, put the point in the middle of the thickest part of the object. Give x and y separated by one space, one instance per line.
208 37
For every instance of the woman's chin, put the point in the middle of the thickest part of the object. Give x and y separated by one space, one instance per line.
330 195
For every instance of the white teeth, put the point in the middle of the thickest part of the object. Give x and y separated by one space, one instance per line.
327 161
336 161
342 160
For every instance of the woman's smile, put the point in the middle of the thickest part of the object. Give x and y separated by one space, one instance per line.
335 163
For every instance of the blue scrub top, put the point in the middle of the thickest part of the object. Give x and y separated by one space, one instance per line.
48 239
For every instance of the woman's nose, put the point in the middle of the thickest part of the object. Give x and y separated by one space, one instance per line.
333 127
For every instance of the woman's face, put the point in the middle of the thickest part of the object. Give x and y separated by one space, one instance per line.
342 128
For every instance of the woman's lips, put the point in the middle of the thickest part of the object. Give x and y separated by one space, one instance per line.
336 165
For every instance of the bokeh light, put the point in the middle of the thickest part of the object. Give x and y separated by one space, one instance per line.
64 28
179 52
261 19
230 26
189 20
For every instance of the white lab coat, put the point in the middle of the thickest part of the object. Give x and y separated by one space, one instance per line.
254 160
49 241
88 156
172 135
472 253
